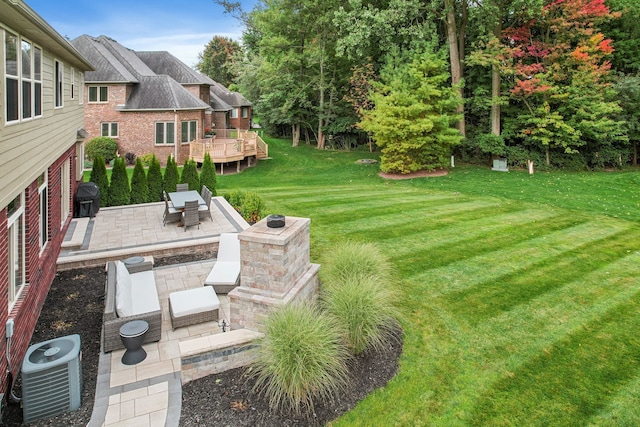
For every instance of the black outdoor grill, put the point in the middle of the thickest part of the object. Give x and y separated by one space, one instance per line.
87 201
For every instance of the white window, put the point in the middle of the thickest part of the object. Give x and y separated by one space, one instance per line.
165 133
233 113
109 129
16 248
188 131
98 94
245 112
44 210
23 79
65 190
72 73
58 71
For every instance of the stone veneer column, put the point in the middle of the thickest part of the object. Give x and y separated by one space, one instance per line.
275 270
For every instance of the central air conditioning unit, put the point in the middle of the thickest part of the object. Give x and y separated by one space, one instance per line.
51 378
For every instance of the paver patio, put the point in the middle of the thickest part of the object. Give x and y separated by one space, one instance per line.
149 393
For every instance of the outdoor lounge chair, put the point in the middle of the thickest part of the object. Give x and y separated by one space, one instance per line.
171 214
190 215
226 271
182 187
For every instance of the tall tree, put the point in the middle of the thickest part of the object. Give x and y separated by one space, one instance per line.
561 77
414 113
216 61
139 185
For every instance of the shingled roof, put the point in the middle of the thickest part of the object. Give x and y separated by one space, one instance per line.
220 95
108 69
115 63
162 62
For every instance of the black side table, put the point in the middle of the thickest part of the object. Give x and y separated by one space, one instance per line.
132 335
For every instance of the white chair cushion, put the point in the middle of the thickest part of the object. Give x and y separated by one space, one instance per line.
144 295
229 248
223 273
124 305
193 301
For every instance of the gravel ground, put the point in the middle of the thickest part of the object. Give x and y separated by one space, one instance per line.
228 399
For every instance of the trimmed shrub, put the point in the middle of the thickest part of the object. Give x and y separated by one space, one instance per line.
300 359
235 199
103 146
363 307
354 259
130 158
154 179
119 191
208 174
99 177
139 185
146 159
249 205
170 175
253 208
190 175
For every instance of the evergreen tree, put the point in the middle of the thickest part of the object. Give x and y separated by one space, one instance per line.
154 180
99 177
170 175
208 174
119 191
415 109
190 175
139 186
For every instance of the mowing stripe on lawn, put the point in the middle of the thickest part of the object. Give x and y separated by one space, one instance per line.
465 362
507 291
463 224
622 407
489 266
572 379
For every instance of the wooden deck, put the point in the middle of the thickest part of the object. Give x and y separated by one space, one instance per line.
229 145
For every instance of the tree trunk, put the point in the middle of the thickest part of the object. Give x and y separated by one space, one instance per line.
635 153
495 100
454 56
321 106
295 130
548 156
495 89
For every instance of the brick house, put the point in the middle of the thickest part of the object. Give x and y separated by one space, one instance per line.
230 109
151 102
41 137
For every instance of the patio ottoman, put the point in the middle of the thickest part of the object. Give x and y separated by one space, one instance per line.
193 306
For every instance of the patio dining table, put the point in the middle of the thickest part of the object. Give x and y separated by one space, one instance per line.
180 197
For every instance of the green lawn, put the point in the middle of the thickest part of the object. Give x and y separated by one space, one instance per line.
520 294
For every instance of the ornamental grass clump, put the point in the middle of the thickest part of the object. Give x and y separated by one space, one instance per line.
358 292
363 307
348 259
300 359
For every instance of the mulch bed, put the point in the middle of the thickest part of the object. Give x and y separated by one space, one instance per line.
74 307
417 174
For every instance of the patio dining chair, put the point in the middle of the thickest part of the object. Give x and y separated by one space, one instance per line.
205 210
190 215
171 214
182 187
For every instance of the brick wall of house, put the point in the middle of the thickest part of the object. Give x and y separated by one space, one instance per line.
219 120
241 122
136 130
40 265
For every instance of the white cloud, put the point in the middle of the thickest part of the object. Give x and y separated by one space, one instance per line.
185 47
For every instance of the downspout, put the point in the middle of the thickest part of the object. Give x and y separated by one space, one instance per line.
175 135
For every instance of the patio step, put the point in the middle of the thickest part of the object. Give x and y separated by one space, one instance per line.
75 233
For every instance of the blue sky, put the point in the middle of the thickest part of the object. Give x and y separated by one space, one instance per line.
182 27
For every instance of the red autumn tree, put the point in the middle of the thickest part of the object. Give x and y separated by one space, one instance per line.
560 69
